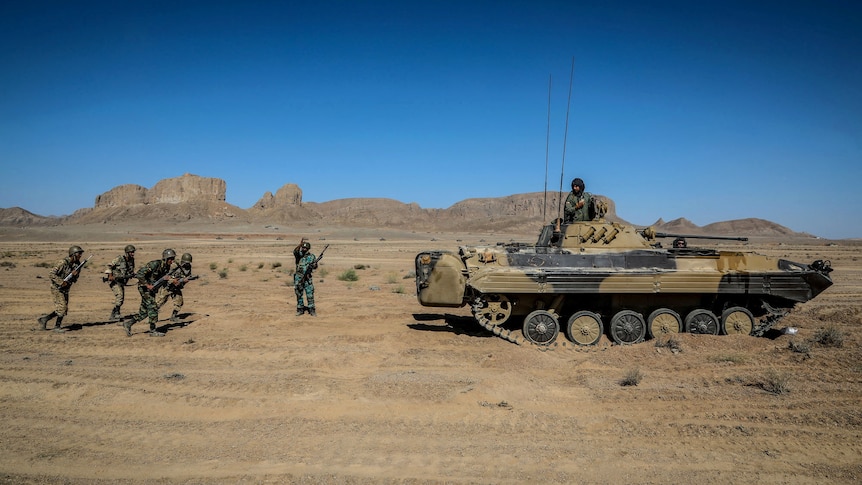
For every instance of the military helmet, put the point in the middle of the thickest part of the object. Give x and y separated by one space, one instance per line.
129 248
75 250
168 254
187 258
306 245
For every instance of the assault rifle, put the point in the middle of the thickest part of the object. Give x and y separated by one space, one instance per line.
121 281
310 268
76 269
180 281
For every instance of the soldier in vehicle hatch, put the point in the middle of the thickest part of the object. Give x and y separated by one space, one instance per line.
117 274
578 203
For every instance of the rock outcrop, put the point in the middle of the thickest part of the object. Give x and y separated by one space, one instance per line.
188 188
288 196
122 196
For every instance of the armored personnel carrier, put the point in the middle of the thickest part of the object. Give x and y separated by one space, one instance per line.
597 277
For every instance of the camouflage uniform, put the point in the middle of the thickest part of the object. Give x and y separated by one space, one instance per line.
304 260
60 288
119 272
573 213
174 288
150 274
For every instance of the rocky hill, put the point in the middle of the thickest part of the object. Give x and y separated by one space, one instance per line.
195 198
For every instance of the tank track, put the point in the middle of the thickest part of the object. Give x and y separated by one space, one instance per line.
767 322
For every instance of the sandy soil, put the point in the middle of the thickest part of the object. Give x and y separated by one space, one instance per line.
377 389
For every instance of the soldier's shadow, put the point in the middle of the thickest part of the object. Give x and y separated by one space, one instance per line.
185 321
455 324
80 326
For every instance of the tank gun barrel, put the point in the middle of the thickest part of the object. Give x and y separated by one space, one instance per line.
696 236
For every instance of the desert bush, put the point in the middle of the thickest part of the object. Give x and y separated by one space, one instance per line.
398 289
7 264
829 337
230 261
322 273
360 266
669 342
775 382
391 278
348 275
733 358
213 266
259 265
243 268
276 265
43 264
632 378
223 273
799 347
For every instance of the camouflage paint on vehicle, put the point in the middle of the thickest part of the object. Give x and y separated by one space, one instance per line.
622 278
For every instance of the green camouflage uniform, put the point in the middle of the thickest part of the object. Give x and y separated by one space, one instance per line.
149 274
303 261
123 270
171 290
58 291
574 214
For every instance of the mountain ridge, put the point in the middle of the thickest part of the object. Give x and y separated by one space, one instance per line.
192 198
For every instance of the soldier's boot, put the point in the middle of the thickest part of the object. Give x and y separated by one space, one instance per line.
57 325
115 315
154 332
175 316
127 325
300 311
312 312
43 320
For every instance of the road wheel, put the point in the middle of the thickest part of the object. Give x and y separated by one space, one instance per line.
702 322
662 322
541 327
737 320
628 327
585 328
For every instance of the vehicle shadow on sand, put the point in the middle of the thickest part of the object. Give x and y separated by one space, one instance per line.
455 324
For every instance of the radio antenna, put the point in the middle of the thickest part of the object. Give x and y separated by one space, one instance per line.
565 139
547 148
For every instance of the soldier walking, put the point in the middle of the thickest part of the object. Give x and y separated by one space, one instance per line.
305 264
178 275
63 275
118 273
148 276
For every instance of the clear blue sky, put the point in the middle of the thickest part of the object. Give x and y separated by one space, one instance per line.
709 110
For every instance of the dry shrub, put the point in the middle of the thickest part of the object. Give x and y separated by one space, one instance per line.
799 347
632 378
669 342
829 337
775 382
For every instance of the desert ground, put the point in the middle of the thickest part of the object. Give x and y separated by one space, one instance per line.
377 389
